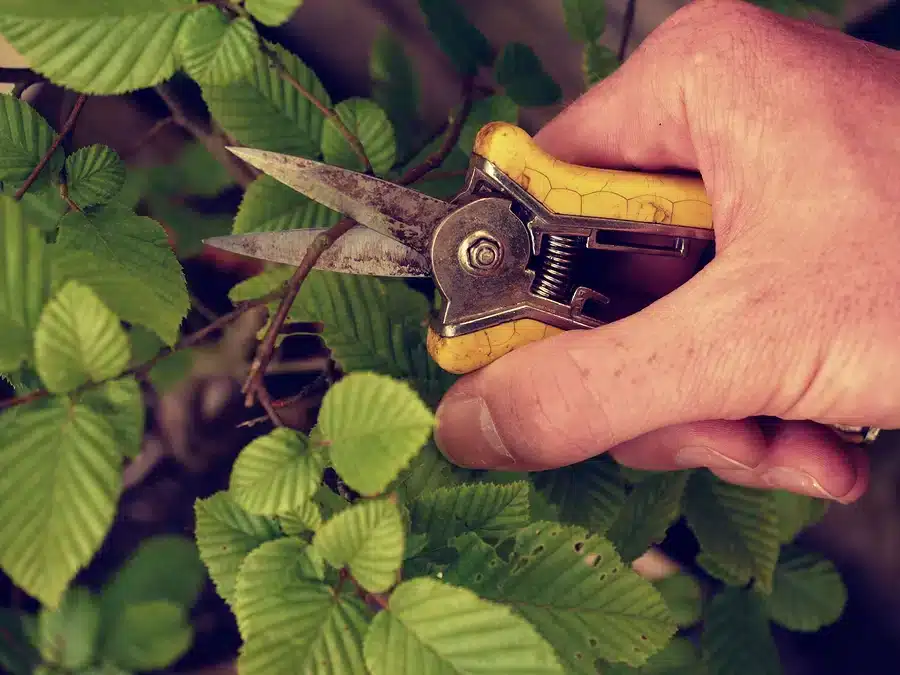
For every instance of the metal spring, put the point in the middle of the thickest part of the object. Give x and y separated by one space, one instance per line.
557 264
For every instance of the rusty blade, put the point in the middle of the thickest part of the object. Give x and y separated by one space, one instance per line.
359 251
392 210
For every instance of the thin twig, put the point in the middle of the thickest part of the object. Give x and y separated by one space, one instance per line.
264 353
626 29
284 402
242 172
67 127
265 400
185 343
450 140
254 382
329 114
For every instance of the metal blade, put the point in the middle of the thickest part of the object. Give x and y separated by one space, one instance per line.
359 251
398 212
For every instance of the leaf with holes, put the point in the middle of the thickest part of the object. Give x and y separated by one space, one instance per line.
808 592
590 494
369 539
94 175
276 473
736 527
736 638
215 50
492 511
98 48
69 634
269 205
374 426
272 12
292 622
127 260
796 513
225 535
585 19
431 627
25 137
265 111
148 636
575 590
60 477
369 123
497 108
520 72
683 597
78 340
24 284
680 657
651 507
463 43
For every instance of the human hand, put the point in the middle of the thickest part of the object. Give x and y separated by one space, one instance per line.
796 132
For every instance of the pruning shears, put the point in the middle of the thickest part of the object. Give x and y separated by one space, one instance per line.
513 254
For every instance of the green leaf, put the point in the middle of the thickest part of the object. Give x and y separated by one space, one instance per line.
715 569
269 205
69 634
60 477
683 597
194 172
18 655
497 108
428 471
589 494
680 657
272 12
374 426
215 50
807 594
520 72
147 576
651 507
276 473
796 513
264 111
463 44
126 259
736 527
736 638
368 122
431 627
187 226
598 63
369 539
395 83
491 511
149 636
24 284
78 340
25 137
291 622
42 206
121 403
585 19
169 371
305 518
98 48
575 590
94 175
225 535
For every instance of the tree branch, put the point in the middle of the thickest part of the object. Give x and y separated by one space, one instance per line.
627 28
242 172
67 127
254 382
329 114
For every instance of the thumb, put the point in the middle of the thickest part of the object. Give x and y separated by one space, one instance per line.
578 394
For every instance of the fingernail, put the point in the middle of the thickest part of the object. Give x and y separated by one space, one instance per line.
795 481
467 435
701 456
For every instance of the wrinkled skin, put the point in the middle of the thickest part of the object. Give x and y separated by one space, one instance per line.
795 130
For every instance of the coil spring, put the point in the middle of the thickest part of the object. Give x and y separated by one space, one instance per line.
557 265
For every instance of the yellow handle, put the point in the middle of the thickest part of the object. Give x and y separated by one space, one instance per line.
467 353
572 190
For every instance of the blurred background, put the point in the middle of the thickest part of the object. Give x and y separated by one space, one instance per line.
192 437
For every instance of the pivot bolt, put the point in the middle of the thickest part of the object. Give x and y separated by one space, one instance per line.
483 254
